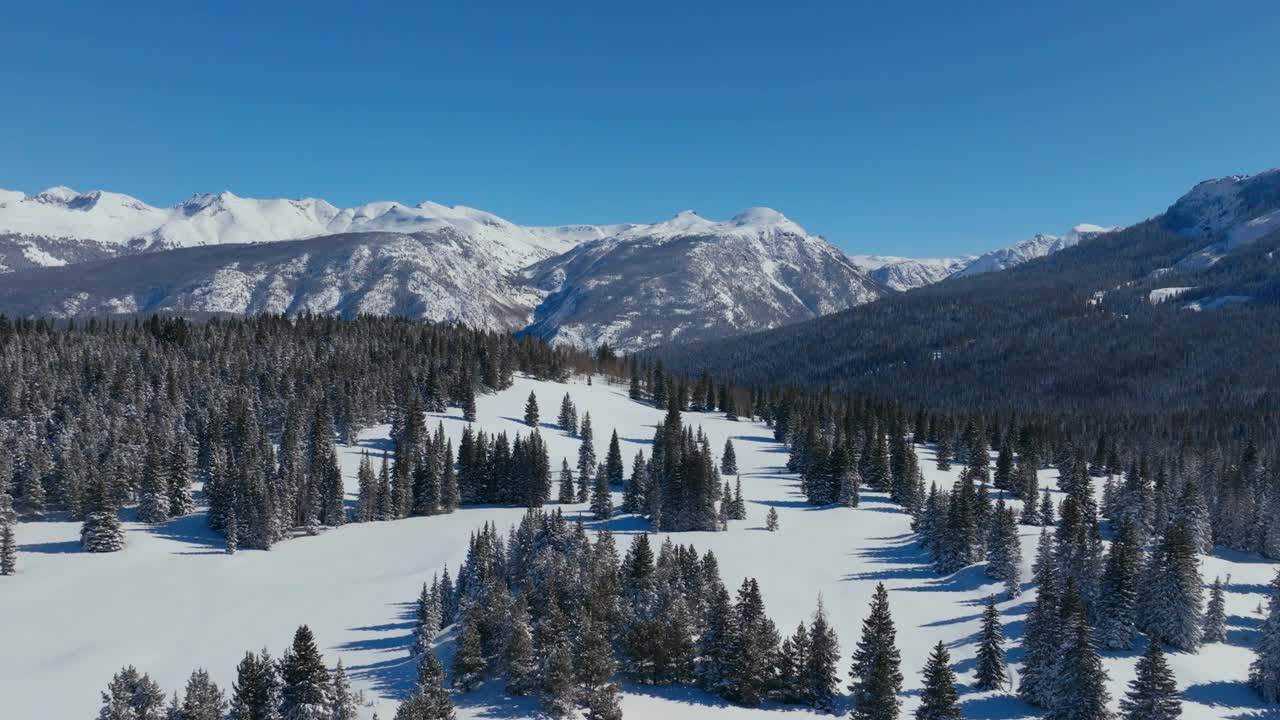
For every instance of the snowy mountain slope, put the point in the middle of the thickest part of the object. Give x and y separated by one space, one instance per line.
84 616
901 273
631 285
693 278
441 275
1033 247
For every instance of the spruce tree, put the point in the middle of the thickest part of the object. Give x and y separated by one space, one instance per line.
568 494
939 699
771 520
1041 638
992 672
256 692
601 498
1153 693
305 691
728 460
819 674
1079 687
520 666
1117 602
586 458
468 658
876 674
531 411
1173 592
231 533
132 696
8 549
567 416
203 700
101 531
1004 550
430 699
633 495
1215 615
1264 671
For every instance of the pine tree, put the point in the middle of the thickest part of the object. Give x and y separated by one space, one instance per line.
468 659
613 462
601 498
1153 693
153 490
567 419
1215 629
771 520
429 699
633 495
1117 603
305 691
469 402
586 458
567 494
818 676
755 652
520 666
939 699
231 533
132 696
729 460
991 669
1079 686
203 700
343 705
876 674
1041 638
1264 671
1004 550
8 549
1173 592
256 692
101 531
531 411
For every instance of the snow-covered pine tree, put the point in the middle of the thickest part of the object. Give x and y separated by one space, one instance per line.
1079 687
613 462
717 642
469 402
1004 549
231 532
771 520
1117 602
468 658
344 704
1172 592
601 498
132 696
738 508
153 488
939 699
430 699
633 500
531 411
1046 508
568 494
876 676
992 672
180 502
791 659
1214 629
1264 671
586 458
729 459
203 700
1153 693
8 548
256 692
367 496
520 666
1041 638
567 416
305 692
101 531
819 673
753 667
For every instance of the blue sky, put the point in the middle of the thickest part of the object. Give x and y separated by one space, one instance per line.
920 129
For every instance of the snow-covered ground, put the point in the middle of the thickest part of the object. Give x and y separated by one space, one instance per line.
172 601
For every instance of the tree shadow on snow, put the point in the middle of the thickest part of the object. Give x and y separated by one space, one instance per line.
51 548
756 438
636 440
393 677
1243 631
996 707
1234 695
377 447
191 530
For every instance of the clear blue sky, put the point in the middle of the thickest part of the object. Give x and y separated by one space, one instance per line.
922 128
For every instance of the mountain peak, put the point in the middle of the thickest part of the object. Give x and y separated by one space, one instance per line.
56 195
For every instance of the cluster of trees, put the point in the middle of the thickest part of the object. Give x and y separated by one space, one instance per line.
98 415
298 686
558 615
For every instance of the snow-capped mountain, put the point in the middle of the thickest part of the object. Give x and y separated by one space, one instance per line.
633 285
118 224
691 277
899 273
